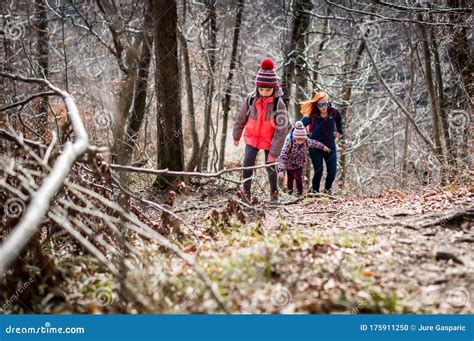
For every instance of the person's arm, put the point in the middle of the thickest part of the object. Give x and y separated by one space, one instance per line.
281 123
240 121
284 153
306 120
316 144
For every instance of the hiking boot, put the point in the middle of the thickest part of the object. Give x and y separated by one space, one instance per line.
274 198
327 191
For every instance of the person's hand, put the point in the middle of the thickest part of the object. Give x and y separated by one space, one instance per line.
271 158
236 143
337 135
326 149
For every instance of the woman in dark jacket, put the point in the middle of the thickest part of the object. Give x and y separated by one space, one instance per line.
326 127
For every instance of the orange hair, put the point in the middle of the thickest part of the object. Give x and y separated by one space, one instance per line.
307 106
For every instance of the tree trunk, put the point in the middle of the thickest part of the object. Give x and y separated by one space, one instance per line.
300 24
317 59
42 59
347 96
301 55
459 49
167 87
433 96
210 85
202 159
228 83
440 95
139 105
125 98
190 98
460 54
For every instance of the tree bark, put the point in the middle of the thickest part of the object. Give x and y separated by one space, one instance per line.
440 95
347 96
459 50
300 72
190 98
201 160
210 85
300 23
167 87
430 85
139 105
42 58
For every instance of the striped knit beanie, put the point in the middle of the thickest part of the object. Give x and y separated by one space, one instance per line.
266 76
300 131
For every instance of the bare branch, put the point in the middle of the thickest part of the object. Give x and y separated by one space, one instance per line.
40 201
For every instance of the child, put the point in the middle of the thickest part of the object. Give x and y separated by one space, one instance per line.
264 118
293 155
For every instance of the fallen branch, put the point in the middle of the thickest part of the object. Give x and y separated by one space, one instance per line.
189 174
25 101
41 200
12 137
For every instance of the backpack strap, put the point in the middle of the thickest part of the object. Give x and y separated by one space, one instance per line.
250 100
276 102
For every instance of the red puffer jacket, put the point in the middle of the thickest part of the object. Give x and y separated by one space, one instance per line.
259 130
264 129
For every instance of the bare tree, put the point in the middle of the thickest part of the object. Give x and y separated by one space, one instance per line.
229 80
167 87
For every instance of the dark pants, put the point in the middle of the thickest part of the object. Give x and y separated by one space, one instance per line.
249 161
330 159
295 175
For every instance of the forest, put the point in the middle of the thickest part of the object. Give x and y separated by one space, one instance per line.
149 151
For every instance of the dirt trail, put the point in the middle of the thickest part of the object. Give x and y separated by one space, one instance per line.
392 254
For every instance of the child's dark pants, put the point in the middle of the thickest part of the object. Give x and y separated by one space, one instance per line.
295 175
249 161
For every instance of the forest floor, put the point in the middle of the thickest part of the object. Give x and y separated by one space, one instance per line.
395 253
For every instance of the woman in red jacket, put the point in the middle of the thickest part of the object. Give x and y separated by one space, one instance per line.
264 117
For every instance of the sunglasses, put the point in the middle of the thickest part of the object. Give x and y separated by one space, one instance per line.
325 104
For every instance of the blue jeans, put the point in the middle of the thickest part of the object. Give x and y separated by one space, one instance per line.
317 156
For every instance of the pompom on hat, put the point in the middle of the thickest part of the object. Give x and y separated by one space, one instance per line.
300 131
266 76
307 106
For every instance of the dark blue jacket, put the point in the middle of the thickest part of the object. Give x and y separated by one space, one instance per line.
323 128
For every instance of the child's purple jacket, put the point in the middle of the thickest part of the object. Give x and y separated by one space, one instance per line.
293 155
